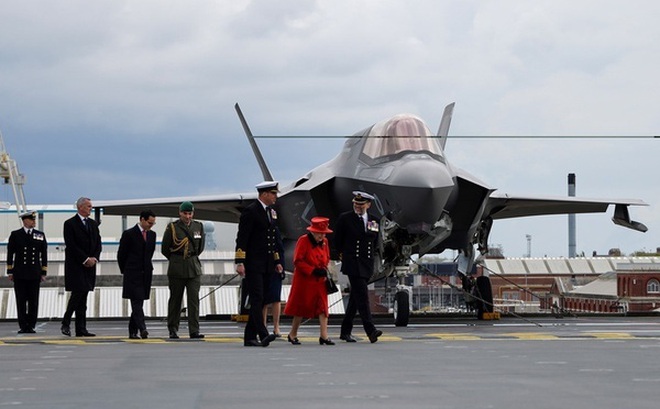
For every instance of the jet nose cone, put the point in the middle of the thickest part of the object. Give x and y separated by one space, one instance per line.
421 171
422 187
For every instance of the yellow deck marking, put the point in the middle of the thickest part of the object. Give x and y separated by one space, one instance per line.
536 336
610 335
455 337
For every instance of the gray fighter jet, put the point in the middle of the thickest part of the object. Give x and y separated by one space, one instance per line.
426 205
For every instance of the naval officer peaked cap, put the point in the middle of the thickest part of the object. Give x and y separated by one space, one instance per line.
362 197
29 215
267 185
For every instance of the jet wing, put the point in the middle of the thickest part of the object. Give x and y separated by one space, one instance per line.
218 208
503 206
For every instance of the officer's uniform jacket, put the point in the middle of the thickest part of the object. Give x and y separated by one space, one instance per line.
354 244
182 246
27 255
258 242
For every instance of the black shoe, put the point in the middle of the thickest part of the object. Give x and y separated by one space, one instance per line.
196 335
30 331
347 338
326 341
266 341
294 341
144 334
85 333
373 337
66 330
133 336
173 335
22 331
252 343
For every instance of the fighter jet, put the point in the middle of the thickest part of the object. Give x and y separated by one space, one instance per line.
426 205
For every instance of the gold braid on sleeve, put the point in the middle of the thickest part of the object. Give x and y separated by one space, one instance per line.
179 244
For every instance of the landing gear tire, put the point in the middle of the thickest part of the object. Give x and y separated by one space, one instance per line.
485 292
401 309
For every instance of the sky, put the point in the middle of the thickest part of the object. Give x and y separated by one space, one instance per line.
134 99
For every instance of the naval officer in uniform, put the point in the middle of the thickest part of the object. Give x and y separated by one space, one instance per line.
27 263
354 241
183 242
259 255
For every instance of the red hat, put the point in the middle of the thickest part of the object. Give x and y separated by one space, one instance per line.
320 225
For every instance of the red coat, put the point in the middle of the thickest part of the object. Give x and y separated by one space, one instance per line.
308 297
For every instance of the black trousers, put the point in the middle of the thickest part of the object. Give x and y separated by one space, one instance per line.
136 323
256 282
358 301
78 305
27 302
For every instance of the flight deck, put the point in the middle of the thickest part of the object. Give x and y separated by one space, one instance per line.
543 363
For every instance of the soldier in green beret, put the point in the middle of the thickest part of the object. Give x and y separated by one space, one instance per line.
183 242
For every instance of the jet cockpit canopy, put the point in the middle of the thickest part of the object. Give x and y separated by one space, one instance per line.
400 134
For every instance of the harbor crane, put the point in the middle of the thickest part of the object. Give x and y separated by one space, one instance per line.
11 176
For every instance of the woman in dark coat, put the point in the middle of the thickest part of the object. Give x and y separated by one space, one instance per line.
308 297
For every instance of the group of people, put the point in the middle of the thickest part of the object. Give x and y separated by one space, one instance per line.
259 259
182 243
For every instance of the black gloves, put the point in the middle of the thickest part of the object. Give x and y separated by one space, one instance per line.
319 272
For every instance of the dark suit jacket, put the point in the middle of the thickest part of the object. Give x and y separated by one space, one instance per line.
80 243
356 246
258 242
134 258
27 256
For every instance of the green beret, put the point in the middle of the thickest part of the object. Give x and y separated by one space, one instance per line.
186 207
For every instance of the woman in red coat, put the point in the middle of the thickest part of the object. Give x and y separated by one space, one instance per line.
308 297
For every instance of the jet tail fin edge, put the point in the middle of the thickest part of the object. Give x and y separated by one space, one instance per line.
253 144
443 130
622 218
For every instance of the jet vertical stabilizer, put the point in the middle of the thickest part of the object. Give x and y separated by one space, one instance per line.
443 130
257 153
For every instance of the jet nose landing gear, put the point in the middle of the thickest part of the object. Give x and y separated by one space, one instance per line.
402 298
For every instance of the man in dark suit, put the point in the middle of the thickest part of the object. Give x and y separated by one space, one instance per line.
81 255
258 257
136 249
354 242
27 263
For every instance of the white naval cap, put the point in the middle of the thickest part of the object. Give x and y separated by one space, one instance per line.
267 185
361 197
28 215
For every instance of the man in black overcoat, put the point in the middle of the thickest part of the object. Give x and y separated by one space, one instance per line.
27 263
81 255
258 256
354 241
136 249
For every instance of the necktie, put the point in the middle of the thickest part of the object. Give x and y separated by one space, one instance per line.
144 235
30 232
268 214
363 221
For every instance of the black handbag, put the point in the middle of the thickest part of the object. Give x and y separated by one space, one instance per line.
330 285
